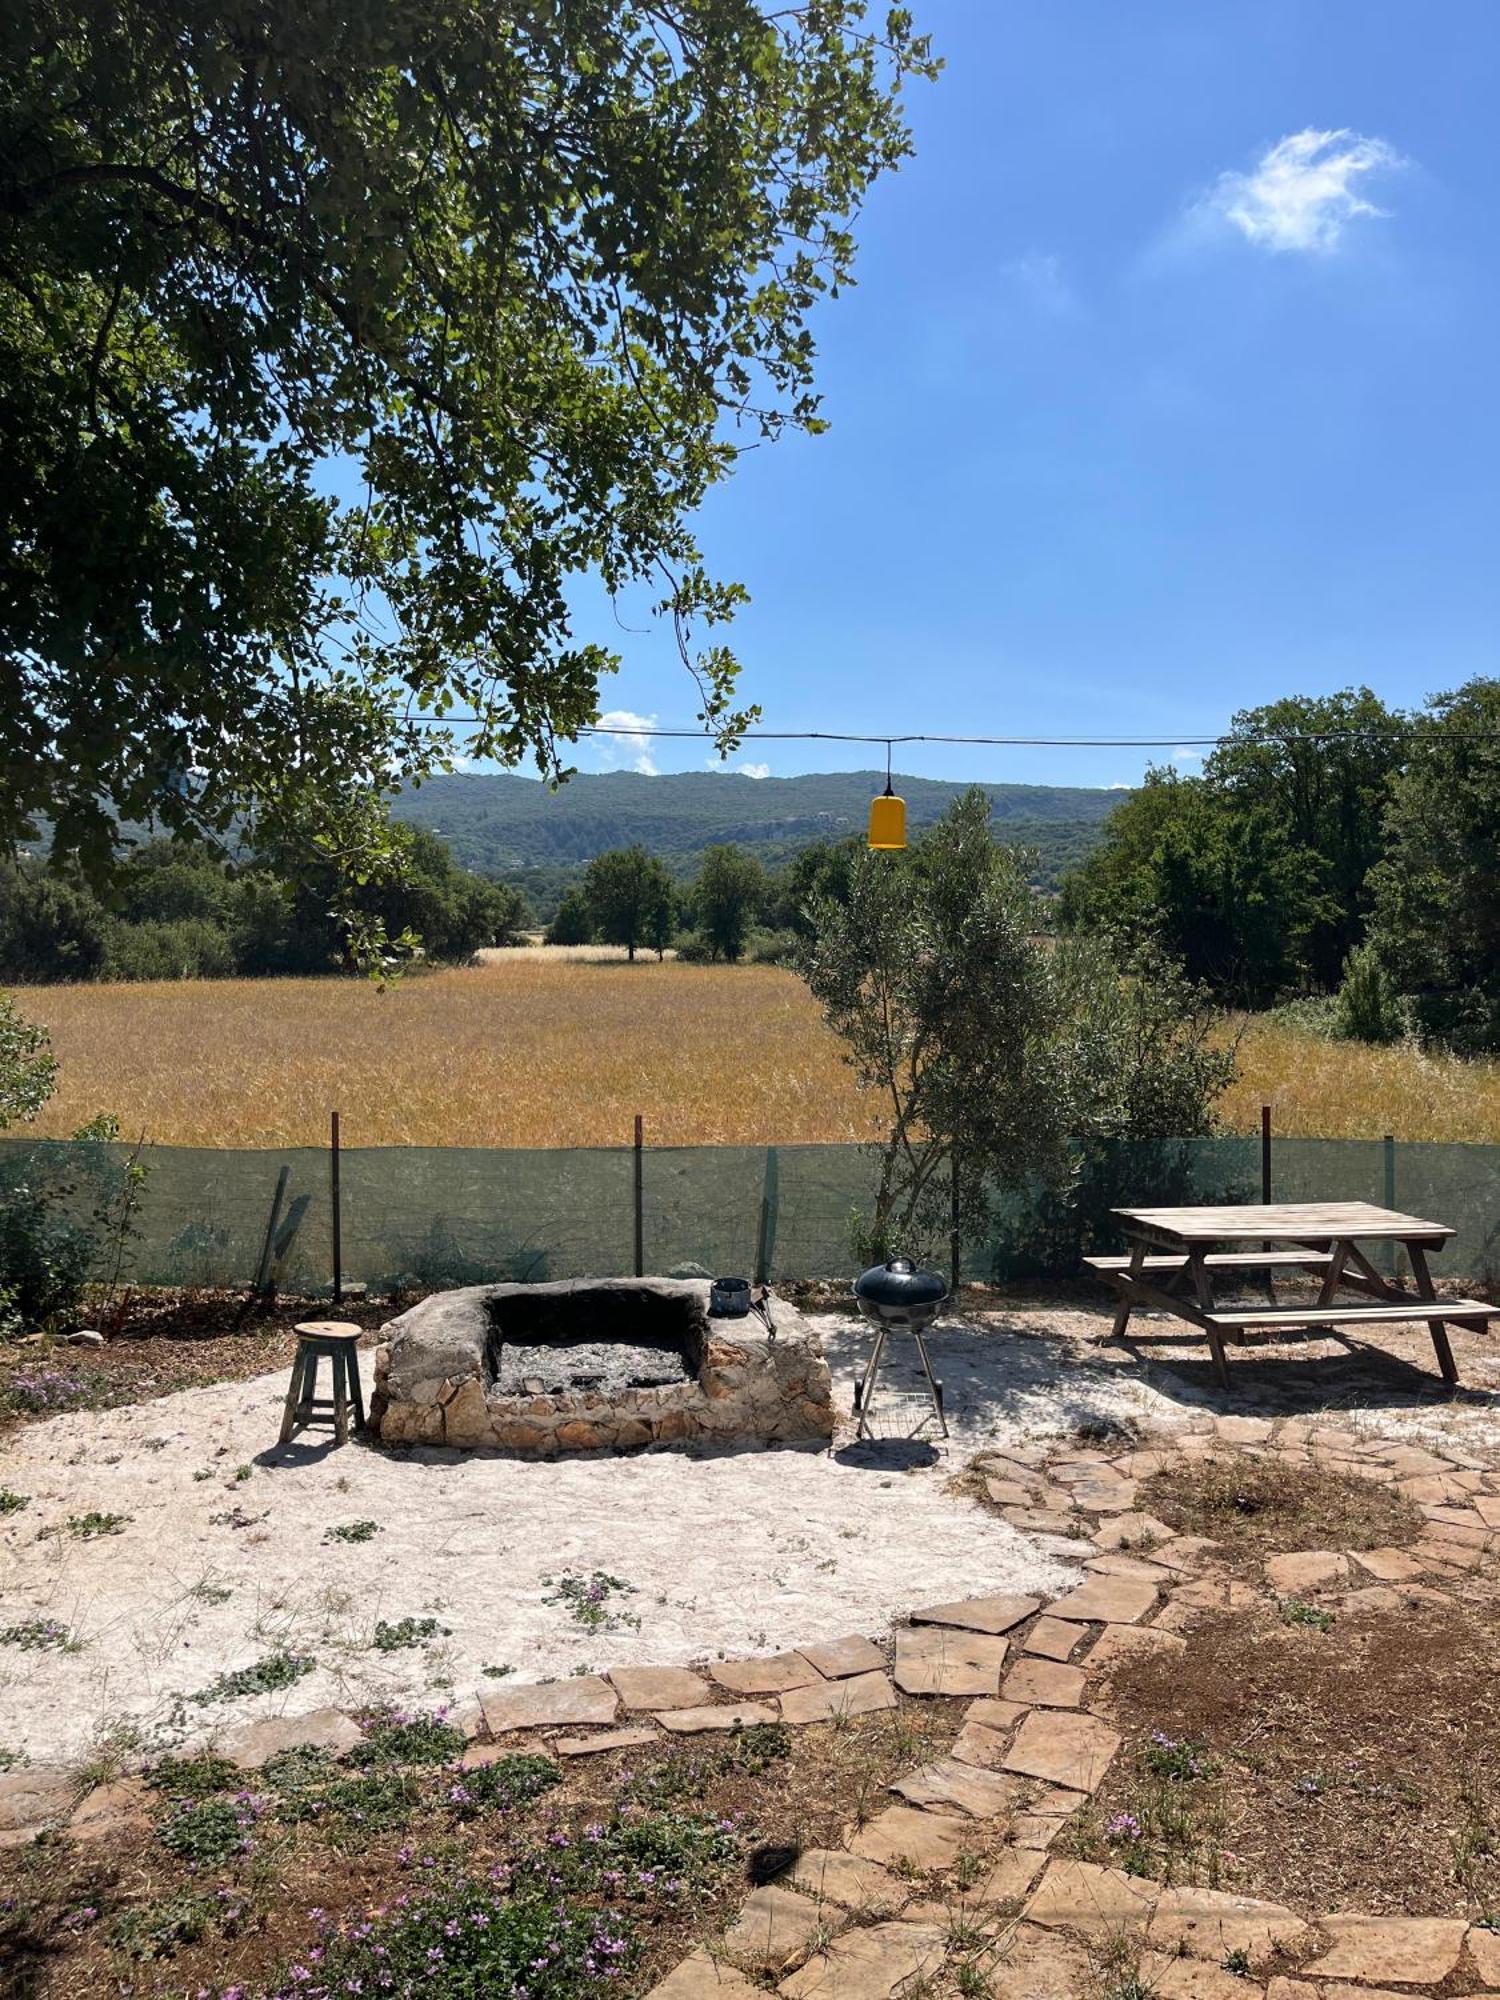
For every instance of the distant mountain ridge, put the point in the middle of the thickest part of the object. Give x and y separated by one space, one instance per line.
503 824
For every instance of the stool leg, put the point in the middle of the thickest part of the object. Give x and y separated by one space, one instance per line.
340 1364
309 1387
351 1362
293 1398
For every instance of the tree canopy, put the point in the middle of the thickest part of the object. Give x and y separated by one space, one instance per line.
335 342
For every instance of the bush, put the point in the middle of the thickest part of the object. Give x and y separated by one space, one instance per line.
693 948
179 948
1367 1009
67 1217
767 947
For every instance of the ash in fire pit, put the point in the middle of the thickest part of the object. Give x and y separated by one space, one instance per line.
603 1364
549 1343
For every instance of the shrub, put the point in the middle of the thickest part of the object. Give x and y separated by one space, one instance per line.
277 1670
394 1738
205 1833
505 1784
184 948
768 947
196 1777
405 1632
1367 1009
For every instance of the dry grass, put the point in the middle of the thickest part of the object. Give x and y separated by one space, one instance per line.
1347 1090
533 1051
1258 1506
562 1048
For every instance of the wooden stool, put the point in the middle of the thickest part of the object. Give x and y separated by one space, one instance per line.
316 1337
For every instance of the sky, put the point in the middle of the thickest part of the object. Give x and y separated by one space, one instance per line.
1169 386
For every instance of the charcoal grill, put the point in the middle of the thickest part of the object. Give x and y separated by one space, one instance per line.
898 1298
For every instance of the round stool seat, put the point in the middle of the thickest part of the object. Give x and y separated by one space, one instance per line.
334 1341
327 1329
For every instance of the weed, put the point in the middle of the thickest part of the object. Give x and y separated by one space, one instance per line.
587 1598
393 1738
196 1777
159 1928
496 1673
242 1473
277 1670
503 1785
88 1527
40 1635
208 1592
203 1472
1237 1962
352 1531
371 1801
1177 1758
11 1760
12 1503
205 1833
1295 1612
405 1632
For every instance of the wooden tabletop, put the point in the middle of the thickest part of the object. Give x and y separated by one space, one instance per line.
1297 1221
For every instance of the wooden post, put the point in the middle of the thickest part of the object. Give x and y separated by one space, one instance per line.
640 1217
263 1271
1265 1153
1393 1250
337 1216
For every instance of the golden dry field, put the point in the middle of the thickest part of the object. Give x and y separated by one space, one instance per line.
541 1048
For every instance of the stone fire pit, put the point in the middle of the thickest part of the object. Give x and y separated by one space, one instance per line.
601 1364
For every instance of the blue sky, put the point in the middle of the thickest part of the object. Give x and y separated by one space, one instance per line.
1153 401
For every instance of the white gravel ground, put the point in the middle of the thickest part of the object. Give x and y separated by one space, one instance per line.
726 1551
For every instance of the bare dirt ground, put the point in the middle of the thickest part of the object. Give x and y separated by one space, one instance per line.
221 1553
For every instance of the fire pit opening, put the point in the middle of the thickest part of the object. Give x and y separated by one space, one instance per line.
596 1364
547 1343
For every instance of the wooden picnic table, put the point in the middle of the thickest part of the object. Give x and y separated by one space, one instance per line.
1177 1253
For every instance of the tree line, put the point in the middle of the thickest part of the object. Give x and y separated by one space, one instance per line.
1333 847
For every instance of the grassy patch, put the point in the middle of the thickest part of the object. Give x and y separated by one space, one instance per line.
507 1783
276 1671
12 1503
205 1833
40 1635
405 1632
394 1738
89 1527
160 1928
352 1531
591 1600
1261 1506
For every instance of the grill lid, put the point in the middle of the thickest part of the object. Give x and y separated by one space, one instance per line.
899 1285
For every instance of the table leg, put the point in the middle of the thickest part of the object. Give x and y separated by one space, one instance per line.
1125 1307
1203 1291
1426 1289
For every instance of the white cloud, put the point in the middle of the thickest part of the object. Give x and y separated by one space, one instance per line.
1302 192
1187 756
755 770
632 752
1038 276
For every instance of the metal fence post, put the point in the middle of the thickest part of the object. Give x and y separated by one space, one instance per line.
1265 1152
1393 1250
765 1238
334 1207
640 1216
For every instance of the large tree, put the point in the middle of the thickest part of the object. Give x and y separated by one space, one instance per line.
727 897
627 892
335 341
1436 927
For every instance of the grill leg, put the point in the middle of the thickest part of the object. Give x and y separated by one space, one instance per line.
864 1395
935 1386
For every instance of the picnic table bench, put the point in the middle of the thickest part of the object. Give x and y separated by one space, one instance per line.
1175 1254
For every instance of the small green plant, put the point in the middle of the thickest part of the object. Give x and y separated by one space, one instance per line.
392 1738
205 1833
405 1632
277 1670
203 1472
496 1673
88 1527
365 1801
1237 1962
352 1531
11 1760
197 1777
1177 1758
208 1592
12 1503
242 1473
1295 1612
40 1635
502 1786
588 1599
160 1928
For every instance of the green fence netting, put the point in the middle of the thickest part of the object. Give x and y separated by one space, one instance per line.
455 1215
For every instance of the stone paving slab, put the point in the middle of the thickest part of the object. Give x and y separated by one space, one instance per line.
1410 1951
1080 1896
1128 1642
1305 1569
902 1835
634 1738
861 1694
714 1716
255 1743
1212 1923
551 1704
870 1964
839 1658
774 1927
1483 1948
847 1879
1044 1683
979 1614
772 1674
1063 1747
982 1747
701 1977
1051 1639
1106 1600
1035 1964
1009 1880
658 1687
948 1783
935 1659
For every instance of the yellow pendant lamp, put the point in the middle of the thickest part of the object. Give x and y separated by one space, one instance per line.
887 815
